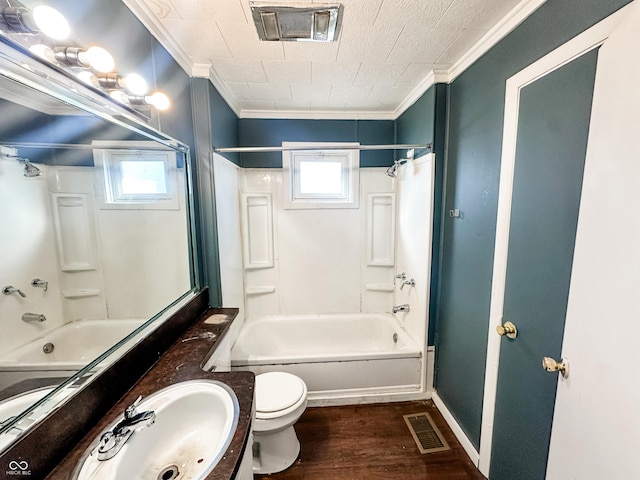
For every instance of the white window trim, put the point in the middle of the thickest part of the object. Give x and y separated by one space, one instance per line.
102 156
293 199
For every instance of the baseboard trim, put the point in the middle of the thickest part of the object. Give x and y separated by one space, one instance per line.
457 430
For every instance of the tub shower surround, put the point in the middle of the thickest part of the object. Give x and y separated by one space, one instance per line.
325 280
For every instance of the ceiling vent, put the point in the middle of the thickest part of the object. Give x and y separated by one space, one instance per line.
317 23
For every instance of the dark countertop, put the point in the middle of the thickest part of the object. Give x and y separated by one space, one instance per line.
182 361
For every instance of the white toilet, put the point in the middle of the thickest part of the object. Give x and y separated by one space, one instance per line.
280 400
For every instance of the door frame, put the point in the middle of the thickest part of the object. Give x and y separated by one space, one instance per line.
574 48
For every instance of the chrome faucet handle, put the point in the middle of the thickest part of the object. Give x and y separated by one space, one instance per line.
37 283
400 276
132 410
9 289
411 283
107 441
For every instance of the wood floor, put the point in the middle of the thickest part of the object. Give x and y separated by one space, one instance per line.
371 442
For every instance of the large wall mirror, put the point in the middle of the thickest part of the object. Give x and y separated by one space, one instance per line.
95 235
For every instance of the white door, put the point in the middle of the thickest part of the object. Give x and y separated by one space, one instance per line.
596 428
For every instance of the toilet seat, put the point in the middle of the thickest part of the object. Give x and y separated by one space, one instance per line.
278 394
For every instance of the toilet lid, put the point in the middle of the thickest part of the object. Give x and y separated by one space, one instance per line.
277 391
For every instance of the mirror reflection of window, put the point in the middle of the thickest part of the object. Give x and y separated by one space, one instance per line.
137 178
143 177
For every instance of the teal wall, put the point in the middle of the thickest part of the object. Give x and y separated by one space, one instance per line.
476 108
272 132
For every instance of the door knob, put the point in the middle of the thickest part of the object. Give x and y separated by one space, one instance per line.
550 365
508 329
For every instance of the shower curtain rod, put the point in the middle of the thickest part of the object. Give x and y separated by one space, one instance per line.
320 147
85 146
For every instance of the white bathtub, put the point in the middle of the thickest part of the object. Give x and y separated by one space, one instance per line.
348 358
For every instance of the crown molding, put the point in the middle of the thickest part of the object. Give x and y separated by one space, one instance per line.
504 27
319 114
509 22
224 92
433 77
201 70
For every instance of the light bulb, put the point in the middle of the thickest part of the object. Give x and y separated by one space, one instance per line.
99 59
43 51
135 84
89 78
51 22
158 100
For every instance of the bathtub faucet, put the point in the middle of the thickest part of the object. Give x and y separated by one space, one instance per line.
113 440
401 308
9 289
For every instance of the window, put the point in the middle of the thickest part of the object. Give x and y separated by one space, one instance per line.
322 178
135 178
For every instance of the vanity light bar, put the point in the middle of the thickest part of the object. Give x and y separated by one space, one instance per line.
311 147
96 64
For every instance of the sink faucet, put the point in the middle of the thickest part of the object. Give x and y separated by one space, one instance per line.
113 440
401 308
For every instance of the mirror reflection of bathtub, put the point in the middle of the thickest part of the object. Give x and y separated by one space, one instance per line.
64 350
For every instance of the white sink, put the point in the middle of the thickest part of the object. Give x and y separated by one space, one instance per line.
194 424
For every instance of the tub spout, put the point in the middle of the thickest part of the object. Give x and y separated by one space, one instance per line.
33 317
401 308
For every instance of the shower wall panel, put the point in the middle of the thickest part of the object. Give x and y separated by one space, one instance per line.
321 257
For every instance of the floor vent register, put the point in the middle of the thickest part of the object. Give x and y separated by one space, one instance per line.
425 433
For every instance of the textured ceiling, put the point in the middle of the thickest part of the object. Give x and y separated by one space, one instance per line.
388 52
